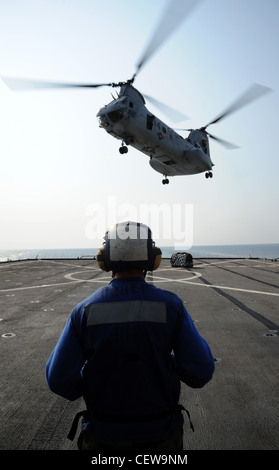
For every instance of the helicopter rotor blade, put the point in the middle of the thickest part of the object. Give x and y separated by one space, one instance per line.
172 16
173 114
223 142
254 92
179 129
17 84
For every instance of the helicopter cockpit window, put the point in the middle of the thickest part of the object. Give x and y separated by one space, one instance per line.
116 116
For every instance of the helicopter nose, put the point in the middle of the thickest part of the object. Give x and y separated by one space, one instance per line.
102 118
101 114
101 111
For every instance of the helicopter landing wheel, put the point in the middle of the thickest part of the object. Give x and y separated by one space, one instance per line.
209 174
165 181
123 149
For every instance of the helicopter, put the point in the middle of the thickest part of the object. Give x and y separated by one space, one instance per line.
127 118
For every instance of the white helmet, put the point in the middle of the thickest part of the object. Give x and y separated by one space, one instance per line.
129 245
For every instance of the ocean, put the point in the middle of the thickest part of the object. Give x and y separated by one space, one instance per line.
268 251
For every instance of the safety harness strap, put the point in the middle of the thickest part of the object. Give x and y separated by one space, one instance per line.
127 419
81 414
189 417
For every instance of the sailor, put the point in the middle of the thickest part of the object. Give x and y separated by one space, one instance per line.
126 349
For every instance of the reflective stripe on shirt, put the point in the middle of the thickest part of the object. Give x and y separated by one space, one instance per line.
125 312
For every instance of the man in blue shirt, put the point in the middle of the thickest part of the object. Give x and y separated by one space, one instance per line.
126 348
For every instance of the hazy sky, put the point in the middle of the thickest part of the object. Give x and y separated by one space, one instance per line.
62 179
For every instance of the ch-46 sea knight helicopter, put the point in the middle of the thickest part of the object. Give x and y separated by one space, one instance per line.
127 118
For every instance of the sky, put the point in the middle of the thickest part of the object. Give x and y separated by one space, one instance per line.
62 179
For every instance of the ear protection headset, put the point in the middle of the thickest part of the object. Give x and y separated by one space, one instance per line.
128 245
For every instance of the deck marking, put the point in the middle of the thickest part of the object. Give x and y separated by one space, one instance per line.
156 279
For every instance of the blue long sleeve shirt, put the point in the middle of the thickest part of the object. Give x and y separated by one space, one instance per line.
125 349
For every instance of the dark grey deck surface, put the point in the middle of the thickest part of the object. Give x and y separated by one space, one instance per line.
235 304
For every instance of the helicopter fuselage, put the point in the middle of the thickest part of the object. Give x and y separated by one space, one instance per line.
126 118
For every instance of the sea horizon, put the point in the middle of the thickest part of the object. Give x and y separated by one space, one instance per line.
265 251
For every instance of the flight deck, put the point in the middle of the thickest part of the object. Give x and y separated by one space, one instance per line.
235 306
